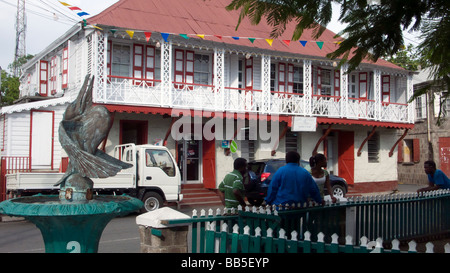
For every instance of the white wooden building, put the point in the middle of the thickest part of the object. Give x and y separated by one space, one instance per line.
158 61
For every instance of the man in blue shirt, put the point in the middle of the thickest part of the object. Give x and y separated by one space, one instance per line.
292 184
436 178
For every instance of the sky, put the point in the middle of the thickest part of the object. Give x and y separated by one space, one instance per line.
49 19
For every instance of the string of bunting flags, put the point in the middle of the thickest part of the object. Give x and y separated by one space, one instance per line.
166 35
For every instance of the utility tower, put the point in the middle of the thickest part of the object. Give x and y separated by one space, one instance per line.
21 27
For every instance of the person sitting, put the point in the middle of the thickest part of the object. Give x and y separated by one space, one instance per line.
436 178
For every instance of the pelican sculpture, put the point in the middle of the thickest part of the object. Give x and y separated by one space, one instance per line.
83 127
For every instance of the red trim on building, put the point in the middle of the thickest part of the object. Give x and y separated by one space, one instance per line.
365 123
194 113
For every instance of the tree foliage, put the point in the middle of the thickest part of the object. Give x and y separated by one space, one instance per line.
373 29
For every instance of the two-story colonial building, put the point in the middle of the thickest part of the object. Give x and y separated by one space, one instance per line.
159 64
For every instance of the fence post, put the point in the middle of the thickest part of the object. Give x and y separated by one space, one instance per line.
159 238
350 222
3 180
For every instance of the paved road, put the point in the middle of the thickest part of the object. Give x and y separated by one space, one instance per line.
121 235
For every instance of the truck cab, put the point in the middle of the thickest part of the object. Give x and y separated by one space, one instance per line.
157 176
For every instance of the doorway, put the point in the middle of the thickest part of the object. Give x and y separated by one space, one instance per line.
346 156
189 157
133 131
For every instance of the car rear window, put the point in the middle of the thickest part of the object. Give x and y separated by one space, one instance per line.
273 166
256 167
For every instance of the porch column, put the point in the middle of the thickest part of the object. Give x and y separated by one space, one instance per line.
265 84
98 63
307 85
344 90
219 79
377 93
166 73
409 93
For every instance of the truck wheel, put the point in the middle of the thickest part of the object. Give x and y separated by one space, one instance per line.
152 201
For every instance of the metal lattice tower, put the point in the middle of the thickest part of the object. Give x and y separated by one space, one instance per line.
21 26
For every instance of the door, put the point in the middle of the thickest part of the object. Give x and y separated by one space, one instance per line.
41 143
189 157
444 154
346 156
133 131
209 164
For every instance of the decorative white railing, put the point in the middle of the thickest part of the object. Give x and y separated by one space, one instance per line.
131 91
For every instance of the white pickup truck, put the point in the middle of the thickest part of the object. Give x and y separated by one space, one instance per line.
154 177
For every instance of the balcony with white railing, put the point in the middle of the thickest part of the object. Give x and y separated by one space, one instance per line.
133 91
369 93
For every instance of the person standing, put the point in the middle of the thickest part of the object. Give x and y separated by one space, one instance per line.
231 189
292 184
436 178
318 163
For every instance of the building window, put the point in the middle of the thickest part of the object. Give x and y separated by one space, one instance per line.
201 69
326 82
352 86
298 80
291 141
273 74
373 146
121 60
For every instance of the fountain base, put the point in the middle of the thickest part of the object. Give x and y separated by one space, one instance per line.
70 226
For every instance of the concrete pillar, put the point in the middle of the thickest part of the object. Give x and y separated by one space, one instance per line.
159 238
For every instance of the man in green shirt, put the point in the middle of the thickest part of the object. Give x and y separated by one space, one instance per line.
231 189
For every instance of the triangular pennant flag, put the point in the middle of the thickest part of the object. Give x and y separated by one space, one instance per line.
130 33
269 41
287 42
184 36
236 38
147 36
97 27
74 8
303 43
201 36
113 31
82 13
319 44
218 36
165 36
64 3
252 39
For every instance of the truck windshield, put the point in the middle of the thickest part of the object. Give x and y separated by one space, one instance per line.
160 159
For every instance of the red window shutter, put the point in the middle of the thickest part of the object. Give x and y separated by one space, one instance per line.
337 83
179 67
189 71
43 78
150 64
400 152
416 150
319 80
138 62
249 73
108 59
363 85
385 88
290 78
281 77
65 68
53 75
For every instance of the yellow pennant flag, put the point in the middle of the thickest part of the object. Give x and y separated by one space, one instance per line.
201 36
269 41
65 4
130 33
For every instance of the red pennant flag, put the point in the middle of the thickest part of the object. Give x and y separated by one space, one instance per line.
218 36
147 36
287 42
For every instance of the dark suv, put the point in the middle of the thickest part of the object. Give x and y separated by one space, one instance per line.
261 172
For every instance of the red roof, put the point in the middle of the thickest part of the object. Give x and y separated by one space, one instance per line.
210 17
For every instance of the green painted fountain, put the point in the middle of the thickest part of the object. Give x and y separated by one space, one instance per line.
74 220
